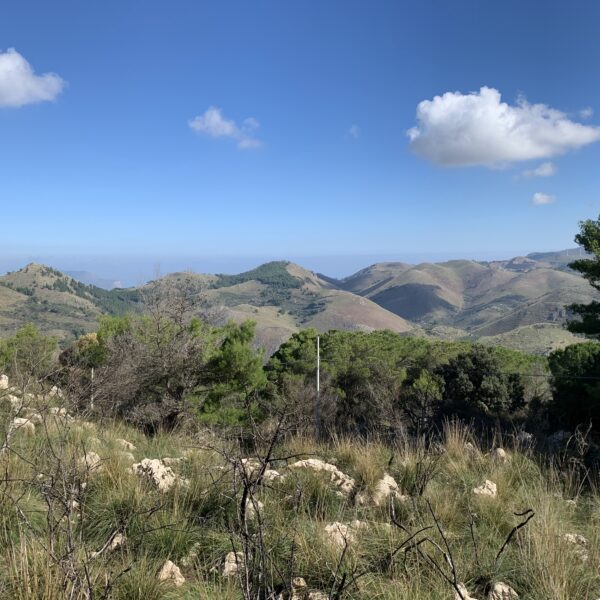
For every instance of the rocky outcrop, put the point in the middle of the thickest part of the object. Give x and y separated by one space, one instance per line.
343 482
578 544
23 424
387 488
92 461
125 445
252 467
171 573
117 541
464 593
488 489
501 456
156 472
502 591
234 561
341 534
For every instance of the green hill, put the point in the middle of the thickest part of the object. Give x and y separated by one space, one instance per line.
518 302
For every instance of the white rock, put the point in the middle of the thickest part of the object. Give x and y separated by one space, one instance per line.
59 411
489 488
125 444
92 461
171 462
35 418
153 470
339 479
252 466
16 404
234 561
23 424
471 449
578 543
55 392
252 508
464 592
117 542
3 382
500 456
502 591
273 475
170 572
340 534
387 487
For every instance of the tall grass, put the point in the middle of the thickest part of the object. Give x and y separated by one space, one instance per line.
197 524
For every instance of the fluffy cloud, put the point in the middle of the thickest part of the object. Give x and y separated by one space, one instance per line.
354 131
213 124
539 199
546 169
19 85
479 129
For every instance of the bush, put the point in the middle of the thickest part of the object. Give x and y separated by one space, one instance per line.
576 382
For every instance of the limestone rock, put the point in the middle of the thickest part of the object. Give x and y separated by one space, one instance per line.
234 561
154 471
24 425
171 462
339 479
464 592
502 591
125 444
387 487
340 534
117 542
92 461
500 456
35 418
55 392
489 489
578 543
252 467
170 572
16 404
253 507
3 382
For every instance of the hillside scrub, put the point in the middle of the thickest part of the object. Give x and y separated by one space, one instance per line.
346 518
160 457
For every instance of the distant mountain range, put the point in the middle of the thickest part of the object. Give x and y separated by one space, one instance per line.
518 303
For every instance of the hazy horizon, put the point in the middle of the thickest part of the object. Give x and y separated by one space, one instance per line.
135 270
214 130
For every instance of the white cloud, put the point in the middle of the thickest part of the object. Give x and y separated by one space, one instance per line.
478 129
19 85
213 124
539 199
354 131
586 113
546 169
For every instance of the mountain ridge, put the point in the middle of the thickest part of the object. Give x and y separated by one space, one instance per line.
520 300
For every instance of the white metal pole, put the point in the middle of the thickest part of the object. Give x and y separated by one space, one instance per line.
318 400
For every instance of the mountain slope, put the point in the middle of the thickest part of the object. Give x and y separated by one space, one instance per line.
56 303
518 302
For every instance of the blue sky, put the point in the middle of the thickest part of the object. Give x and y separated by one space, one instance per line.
304 151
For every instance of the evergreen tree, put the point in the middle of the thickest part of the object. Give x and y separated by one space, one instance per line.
589 314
